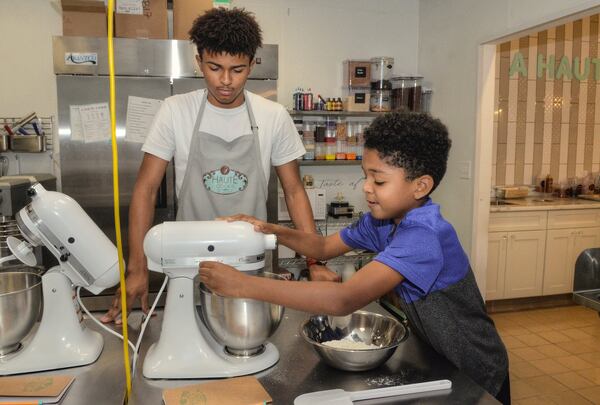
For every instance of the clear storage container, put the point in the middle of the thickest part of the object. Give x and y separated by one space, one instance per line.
357 73
406 93
357 98
381 101
381 73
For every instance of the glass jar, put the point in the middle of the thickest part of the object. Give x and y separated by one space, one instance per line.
330 149
406 93
351 141
381 73
320 142
381 101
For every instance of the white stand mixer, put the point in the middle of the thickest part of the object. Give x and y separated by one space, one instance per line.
186 348
87 259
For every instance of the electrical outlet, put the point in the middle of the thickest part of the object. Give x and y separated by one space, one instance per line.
464 169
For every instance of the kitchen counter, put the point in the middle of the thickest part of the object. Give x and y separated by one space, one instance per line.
99 383
543 204
300 370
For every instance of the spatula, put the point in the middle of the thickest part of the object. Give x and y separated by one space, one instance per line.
341 397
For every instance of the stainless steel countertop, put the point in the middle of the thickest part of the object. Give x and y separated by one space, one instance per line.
99 383
300 370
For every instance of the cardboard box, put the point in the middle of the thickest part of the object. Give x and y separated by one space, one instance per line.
152 23
184 14
86 18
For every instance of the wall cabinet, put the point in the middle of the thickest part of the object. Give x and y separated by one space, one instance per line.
533 253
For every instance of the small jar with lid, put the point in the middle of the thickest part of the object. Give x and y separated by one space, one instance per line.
381 73
406 93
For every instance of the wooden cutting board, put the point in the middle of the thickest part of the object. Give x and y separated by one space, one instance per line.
48 388
232 391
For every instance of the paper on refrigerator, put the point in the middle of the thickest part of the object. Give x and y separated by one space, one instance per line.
140 115
95 121
135 7
76 128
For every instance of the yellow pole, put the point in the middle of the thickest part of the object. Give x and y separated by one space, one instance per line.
115 160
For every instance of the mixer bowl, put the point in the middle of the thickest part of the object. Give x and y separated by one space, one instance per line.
241 324
20 303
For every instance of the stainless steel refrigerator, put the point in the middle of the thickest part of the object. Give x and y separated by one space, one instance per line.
153 69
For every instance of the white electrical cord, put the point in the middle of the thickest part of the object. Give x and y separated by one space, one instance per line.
106 328
146 319
143 329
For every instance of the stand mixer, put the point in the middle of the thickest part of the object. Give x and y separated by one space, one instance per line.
87 258
186 348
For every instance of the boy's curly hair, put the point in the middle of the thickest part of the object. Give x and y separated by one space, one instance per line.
415 142
233 31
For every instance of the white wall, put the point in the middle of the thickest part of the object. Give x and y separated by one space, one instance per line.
450 33
26 75
314 38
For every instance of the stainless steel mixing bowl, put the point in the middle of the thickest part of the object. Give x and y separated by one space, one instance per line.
242 325
20 303
360 326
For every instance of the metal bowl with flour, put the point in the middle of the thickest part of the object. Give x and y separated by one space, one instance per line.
242 325
382 333
20 303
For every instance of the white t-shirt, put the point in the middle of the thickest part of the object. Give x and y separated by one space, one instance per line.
171 131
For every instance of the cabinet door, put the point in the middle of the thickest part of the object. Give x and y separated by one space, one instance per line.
559 245
524 264
496 265
584 238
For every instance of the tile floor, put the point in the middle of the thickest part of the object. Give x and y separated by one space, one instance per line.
554 355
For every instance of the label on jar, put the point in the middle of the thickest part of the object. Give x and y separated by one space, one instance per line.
360 71
360 98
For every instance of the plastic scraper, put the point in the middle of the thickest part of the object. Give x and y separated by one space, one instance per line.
341 397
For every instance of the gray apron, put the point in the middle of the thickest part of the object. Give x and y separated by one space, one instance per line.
223 178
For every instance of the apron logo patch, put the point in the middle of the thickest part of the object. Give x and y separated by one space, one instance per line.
225 181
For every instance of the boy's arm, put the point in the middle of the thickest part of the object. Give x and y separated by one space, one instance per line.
306 243
301 212
368 284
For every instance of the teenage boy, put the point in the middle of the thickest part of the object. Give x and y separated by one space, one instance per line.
419 256
224 141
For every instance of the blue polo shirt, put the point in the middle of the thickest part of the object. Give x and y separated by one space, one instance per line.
424 248
439 294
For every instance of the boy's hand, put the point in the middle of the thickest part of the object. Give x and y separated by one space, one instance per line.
222 279
259 226
318 272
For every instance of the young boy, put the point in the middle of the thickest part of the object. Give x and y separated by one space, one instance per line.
419 255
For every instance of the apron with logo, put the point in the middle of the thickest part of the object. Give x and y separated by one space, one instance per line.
223 178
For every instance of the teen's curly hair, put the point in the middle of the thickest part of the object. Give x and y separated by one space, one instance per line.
233 31
415 142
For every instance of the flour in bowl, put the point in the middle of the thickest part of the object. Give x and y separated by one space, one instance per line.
350 345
